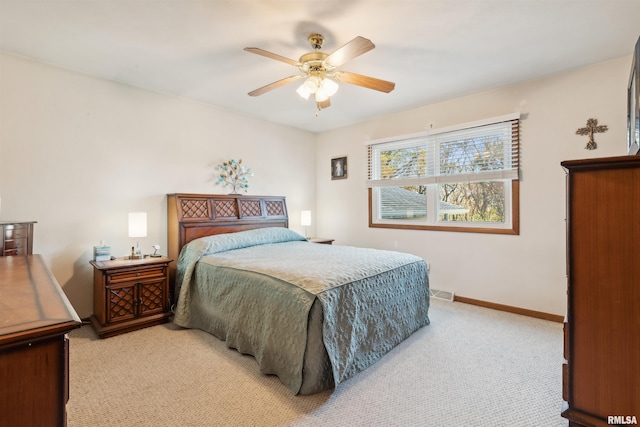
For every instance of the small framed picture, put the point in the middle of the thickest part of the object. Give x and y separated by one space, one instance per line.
339 168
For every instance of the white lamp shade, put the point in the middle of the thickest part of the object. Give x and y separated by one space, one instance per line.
311 84
305 218
303 91
330 87
321 95
137 224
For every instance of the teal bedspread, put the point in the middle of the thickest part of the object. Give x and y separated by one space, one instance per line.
315 315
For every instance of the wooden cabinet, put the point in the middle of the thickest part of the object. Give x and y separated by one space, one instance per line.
602 330
16 238
129 295
35 316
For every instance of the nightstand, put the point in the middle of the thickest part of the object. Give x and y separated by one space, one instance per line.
321 240
129 294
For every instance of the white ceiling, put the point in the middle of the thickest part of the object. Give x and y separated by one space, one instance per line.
432 49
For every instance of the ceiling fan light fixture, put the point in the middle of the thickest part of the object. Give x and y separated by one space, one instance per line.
330 87
312 84
321 95
303 91
308 87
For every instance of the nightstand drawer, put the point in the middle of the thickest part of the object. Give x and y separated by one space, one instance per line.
139 274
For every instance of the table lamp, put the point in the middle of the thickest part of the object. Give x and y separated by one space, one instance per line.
137 229
305 221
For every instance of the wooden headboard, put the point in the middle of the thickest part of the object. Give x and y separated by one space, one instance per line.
190 216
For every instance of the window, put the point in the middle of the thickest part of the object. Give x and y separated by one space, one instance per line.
456 179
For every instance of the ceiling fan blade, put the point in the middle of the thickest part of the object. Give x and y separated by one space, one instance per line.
365 81
354 48
274 85
277 57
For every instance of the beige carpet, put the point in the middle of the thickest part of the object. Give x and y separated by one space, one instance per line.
471 367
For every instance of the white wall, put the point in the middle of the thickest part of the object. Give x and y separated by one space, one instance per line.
77 153
528 270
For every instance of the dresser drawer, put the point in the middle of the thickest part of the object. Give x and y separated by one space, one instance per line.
137 274
15 244
15 247
14 252
18 231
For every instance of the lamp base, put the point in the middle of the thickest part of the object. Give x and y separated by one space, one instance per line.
134 257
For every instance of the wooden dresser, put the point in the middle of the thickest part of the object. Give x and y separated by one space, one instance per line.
601 376
16 238
35 316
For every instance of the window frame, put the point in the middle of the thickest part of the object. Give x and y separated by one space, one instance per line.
512 197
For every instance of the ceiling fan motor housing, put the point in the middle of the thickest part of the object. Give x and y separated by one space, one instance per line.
313 62
316 41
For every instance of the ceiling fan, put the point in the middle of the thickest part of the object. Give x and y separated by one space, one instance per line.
321 69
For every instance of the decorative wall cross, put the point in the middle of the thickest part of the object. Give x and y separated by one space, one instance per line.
591 128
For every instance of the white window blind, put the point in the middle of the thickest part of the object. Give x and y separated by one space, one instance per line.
479 152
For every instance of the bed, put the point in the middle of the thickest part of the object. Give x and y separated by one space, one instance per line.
314 315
